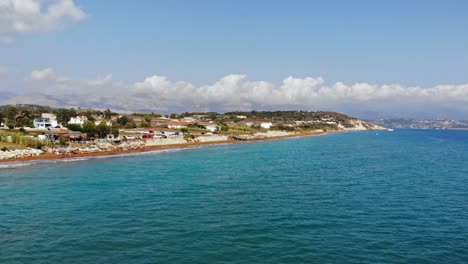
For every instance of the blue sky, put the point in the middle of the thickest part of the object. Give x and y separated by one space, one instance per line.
409 43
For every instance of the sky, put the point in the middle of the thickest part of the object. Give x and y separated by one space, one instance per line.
370 59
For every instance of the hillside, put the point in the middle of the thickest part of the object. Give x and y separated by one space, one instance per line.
23 115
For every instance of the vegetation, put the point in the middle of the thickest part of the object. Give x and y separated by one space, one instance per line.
149 115
64 115
123 121
17 116
238 129
146 122
22 140
75 127
103 129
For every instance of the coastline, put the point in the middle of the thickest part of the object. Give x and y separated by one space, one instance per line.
50 156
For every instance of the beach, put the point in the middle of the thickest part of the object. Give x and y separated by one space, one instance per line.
151 145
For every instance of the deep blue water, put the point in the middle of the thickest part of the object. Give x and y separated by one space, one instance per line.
395 197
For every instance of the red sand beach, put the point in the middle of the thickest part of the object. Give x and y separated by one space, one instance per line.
47 156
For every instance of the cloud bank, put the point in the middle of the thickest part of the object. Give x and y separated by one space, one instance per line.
23 16
236 92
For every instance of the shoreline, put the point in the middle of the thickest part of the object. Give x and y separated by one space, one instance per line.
50 156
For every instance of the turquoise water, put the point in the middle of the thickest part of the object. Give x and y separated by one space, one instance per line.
395 197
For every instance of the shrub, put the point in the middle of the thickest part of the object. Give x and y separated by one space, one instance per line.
188 137
63 141
74 127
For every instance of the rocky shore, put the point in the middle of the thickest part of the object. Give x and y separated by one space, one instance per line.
20 153
107 148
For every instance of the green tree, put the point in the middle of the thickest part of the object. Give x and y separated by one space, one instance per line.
23 118
146 122
123 120
103 129
115 129
64 115
107 114
173 116
90 116
131 124
10 124
89 127
24 122
74 127
10 112
223 127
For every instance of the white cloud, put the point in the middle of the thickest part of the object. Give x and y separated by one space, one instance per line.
22 16
44 74
101 80
236 92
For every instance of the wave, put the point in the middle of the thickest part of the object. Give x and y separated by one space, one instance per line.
14 164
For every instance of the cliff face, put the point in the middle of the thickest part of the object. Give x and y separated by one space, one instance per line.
362 125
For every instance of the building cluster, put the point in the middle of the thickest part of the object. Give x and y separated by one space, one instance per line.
48 121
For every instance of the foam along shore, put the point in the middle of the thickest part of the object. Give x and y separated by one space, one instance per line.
100 149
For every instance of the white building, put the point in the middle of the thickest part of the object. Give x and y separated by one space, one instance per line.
79 120
176 125
98 122
45 121
209 126
266 125
189 119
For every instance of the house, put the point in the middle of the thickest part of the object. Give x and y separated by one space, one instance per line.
98 122
241 117
46 121
176 125
266 125
209 126
189 120
79 120
200 116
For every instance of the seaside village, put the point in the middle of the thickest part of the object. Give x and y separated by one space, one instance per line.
68 131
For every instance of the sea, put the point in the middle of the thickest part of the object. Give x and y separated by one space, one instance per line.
360 197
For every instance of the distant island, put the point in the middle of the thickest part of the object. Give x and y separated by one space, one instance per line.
409 123
33 131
